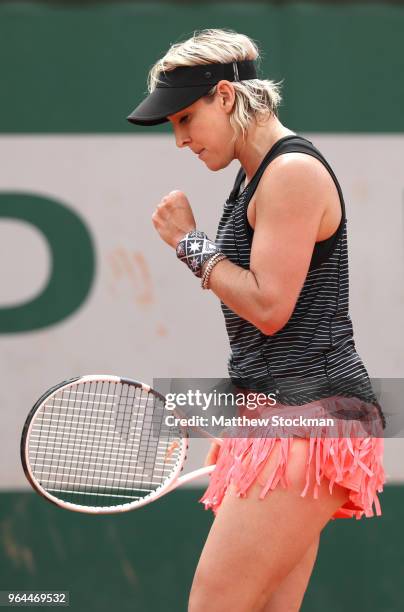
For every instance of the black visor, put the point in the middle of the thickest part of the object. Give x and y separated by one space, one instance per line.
183 86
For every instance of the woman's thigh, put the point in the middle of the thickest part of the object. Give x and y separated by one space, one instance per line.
254 543
288 596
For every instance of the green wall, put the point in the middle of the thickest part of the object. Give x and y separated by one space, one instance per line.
143 561
81 67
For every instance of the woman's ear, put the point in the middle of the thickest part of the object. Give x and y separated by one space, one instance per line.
227 95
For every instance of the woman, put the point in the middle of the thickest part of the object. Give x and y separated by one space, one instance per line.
279 267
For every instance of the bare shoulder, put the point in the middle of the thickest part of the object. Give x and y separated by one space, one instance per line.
301 169
299 180
294 180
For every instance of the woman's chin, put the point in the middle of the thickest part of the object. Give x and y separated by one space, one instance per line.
215 166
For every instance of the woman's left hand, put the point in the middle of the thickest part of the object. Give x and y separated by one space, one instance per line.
173 218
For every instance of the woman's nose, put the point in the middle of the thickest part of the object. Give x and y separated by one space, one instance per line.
181 139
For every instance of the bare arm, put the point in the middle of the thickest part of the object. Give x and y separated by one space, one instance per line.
290 204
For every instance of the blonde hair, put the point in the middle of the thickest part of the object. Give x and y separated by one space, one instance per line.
255 98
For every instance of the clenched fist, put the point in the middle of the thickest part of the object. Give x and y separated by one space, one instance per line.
173 218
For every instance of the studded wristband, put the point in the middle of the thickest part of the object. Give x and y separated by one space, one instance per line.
194 249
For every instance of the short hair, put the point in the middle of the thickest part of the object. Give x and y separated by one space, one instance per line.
255 98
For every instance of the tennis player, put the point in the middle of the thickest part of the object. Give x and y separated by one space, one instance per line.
279 266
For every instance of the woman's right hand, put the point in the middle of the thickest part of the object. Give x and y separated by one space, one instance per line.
211 457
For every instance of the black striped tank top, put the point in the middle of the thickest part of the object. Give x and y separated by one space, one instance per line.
313 355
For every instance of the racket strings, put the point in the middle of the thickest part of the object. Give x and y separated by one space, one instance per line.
102 443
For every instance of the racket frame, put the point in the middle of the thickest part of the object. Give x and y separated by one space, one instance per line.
174 481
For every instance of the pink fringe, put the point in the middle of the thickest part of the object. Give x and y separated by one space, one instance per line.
351 461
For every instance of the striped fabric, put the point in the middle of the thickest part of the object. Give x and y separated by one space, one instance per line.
313 355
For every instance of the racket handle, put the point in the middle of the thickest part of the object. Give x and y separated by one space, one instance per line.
204 471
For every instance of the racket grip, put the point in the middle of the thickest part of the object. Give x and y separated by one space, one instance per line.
204 471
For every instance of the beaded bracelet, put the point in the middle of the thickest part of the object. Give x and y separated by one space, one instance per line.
194 249
211 264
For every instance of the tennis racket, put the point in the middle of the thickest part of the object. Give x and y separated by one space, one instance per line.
100 444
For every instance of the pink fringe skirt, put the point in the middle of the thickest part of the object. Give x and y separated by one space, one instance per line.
348 453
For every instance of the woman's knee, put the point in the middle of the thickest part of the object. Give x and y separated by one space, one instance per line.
216 595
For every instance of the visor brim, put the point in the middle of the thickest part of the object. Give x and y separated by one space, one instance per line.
165 101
